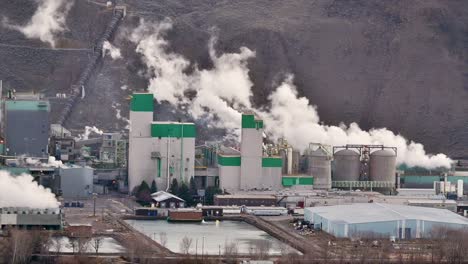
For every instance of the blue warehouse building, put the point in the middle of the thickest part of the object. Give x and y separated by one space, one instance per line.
382 220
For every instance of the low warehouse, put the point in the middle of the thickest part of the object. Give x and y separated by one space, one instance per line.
247 200
27 218
382 220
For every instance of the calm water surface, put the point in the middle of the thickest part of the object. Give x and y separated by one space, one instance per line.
211 236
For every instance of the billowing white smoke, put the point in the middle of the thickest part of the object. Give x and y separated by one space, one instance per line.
51 162
48 20
23 191
222 90
88 131
225 90
109 49
295 119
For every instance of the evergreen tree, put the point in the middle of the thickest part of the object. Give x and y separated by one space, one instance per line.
143 194
174 187
210 193
185 194
153 187
193 187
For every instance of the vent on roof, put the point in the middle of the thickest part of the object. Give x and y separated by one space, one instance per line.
155 155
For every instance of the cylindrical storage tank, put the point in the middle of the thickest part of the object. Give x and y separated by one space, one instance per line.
319 166
290 161
382 165
347 165
296 155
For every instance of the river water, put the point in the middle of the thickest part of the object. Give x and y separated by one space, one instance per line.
212 237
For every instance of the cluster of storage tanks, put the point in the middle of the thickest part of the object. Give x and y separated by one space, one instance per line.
358 163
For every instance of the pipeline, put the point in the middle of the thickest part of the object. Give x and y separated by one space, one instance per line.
86 73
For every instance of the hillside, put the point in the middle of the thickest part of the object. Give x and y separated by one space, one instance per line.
399 64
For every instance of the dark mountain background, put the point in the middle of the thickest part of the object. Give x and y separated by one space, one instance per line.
400 64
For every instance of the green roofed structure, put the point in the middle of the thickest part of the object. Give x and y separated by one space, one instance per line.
248 169
159 151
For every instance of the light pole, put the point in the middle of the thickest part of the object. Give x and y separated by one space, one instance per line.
203 248
94 203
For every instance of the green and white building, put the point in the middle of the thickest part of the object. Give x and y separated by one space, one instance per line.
160 151
249 169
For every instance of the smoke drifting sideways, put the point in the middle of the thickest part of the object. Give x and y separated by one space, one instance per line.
110 50
224 92
88 131
23 191
48 20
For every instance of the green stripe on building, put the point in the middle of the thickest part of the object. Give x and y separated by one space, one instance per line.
142 102
272 162
27 105
248 121
173 130
229 160
291 181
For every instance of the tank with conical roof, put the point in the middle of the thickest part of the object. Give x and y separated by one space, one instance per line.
319 166
347 165
382 165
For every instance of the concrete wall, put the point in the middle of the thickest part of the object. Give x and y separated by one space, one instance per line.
271 178
43 219
140 166
143 167
229 177
251 158
140 125
76 182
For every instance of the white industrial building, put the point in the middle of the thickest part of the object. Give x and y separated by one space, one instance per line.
159 151
29 218
248 169
385 220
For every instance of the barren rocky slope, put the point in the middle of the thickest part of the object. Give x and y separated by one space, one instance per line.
400 64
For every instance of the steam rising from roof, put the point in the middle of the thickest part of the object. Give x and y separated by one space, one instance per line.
47 21
23 191
224 91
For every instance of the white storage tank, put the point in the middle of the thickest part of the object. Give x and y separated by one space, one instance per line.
319 166
382 165
347 165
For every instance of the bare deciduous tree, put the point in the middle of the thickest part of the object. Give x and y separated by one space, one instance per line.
260 248
22 246
163 239
96 243
57 245
185 245
231 250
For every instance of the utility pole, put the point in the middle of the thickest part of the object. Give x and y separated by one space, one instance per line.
94 203
203 248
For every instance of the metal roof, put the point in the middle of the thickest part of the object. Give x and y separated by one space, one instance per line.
162 196
377 212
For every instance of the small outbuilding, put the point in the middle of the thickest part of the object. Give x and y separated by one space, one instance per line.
167 200
382 220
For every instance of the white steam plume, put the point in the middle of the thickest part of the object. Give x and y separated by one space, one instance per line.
225 90
109 49
23 191
119 116
48 20
295 119
88 131
51 163
220 92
